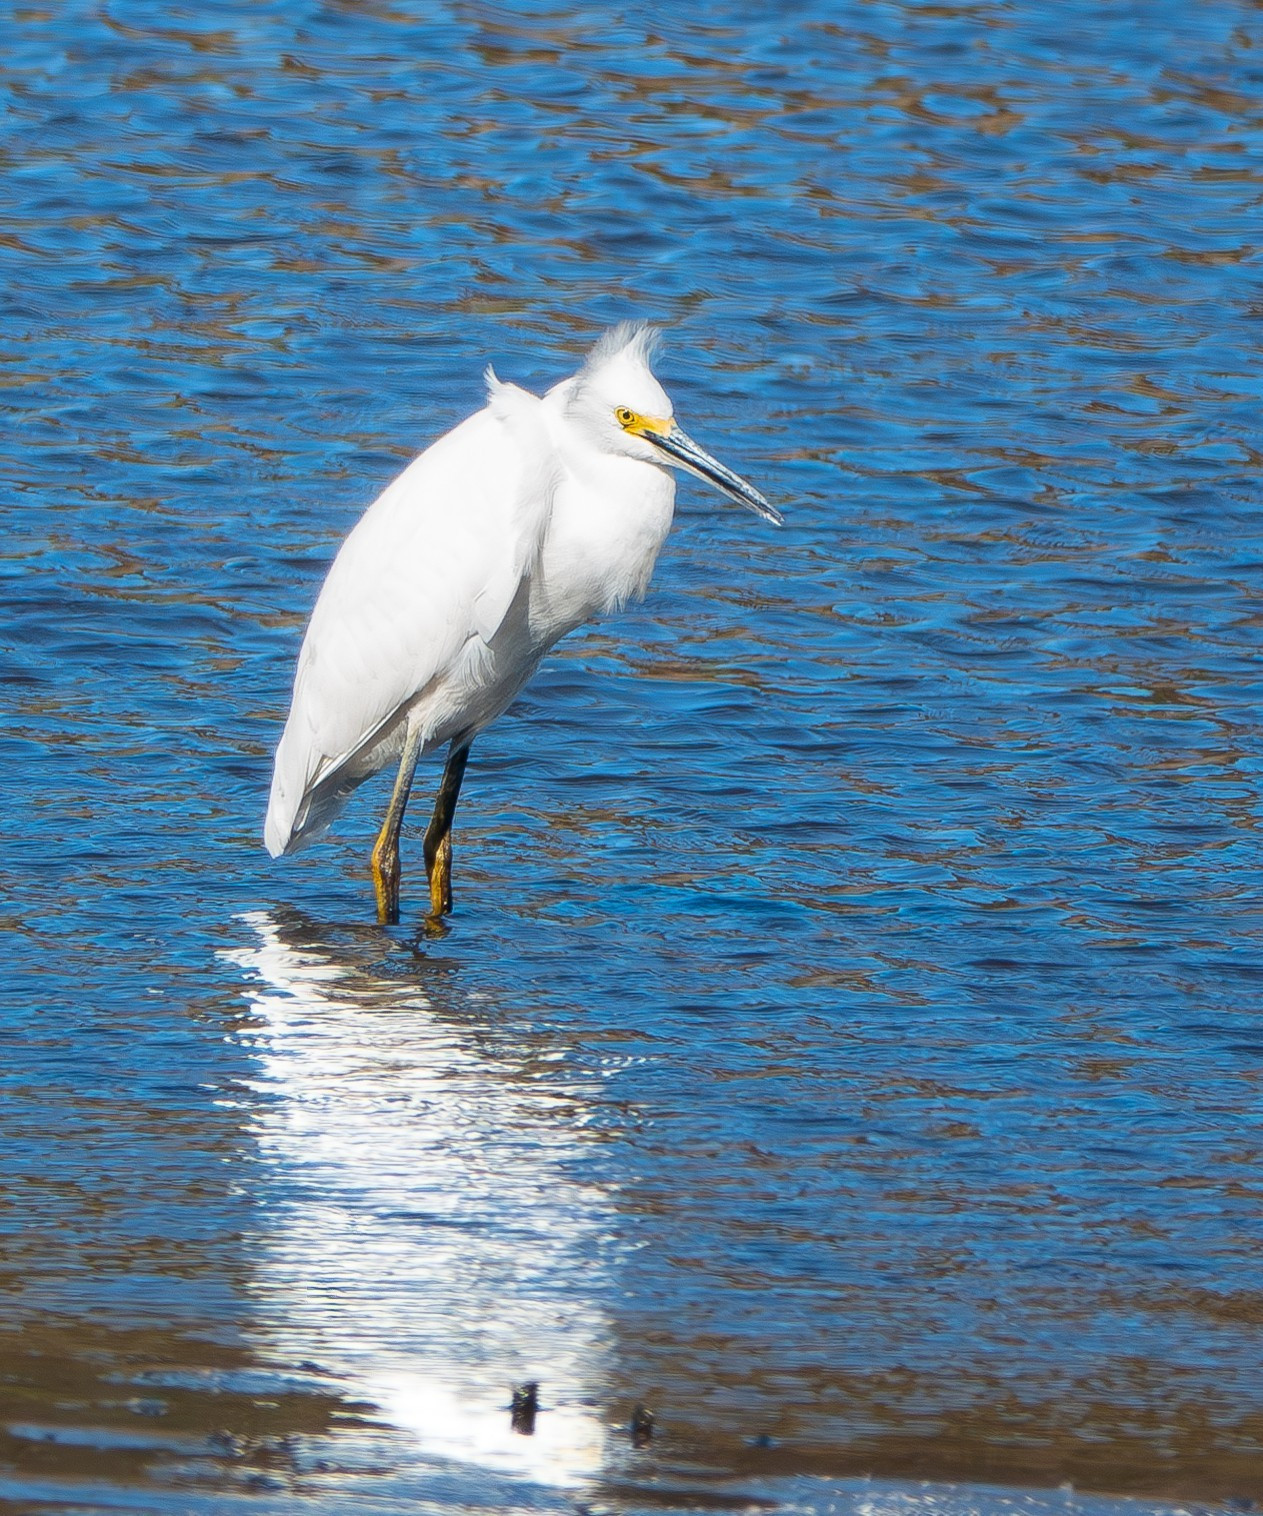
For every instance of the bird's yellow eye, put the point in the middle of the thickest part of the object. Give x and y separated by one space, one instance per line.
623 416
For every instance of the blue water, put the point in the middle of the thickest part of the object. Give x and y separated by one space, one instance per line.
846 1043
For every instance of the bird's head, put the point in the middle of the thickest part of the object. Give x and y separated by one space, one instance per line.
618 396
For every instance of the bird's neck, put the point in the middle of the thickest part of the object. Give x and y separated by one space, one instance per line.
609 519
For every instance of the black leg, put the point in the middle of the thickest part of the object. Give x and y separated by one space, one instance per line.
438 835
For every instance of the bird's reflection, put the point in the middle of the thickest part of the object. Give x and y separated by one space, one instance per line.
432 1239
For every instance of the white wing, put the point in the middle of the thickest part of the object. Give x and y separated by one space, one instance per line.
434 562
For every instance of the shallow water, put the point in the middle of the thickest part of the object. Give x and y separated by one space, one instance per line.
846 1043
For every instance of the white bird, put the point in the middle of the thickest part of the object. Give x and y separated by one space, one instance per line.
526 520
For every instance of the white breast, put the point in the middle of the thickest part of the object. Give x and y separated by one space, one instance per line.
609 519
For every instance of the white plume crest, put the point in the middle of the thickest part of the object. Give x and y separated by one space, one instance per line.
636 341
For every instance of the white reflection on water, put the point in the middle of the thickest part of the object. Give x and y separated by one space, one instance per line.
431 1242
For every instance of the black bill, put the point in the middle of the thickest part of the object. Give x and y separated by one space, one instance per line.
680 448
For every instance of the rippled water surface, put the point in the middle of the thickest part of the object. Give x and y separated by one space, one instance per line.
847 1042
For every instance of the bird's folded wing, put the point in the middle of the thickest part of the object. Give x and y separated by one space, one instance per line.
435 561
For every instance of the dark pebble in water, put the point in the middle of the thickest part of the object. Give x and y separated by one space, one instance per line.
524 1407
641 1427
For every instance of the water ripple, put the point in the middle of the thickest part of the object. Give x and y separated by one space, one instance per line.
847 1040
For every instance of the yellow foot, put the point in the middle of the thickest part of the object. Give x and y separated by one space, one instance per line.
385 866
441 880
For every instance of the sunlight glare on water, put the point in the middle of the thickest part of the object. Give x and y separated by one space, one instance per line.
846 1044
386 1115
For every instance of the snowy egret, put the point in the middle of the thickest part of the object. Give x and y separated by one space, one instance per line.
520 524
